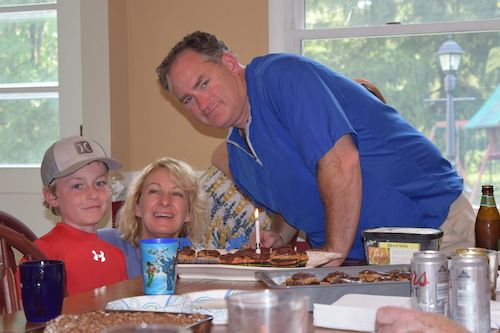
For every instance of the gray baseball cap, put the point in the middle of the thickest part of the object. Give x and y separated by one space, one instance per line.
69 155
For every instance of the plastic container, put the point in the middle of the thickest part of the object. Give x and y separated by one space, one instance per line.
393 245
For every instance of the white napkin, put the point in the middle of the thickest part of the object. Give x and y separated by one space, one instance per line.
318 258
355 311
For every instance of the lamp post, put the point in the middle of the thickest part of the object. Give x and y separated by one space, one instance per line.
449 58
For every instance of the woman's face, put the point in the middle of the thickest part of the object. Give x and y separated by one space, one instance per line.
163 206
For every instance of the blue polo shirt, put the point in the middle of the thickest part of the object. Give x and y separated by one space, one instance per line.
299 109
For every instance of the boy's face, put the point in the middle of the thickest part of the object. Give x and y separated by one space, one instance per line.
163 206
82 197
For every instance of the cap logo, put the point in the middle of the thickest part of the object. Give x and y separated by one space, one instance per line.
83 147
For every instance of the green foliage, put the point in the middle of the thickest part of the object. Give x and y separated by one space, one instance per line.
28 49
324 14
28 58
27 129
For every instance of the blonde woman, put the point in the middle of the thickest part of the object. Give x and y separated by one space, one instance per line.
164 201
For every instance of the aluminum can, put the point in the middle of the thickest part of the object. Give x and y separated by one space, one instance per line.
470 292
430 282
492 257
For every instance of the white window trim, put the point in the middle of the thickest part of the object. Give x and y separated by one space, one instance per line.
84 78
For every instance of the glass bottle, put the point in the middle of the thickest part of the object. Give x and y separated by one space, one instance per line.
487 221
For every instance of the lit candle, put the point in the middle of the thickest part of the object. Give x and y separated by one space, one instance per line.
257 231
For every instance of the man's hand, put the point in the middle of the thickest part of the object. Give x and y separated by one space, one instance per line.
392 319
267 239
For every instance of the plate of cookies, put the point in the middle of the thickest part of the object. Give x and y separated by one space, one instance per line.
241 265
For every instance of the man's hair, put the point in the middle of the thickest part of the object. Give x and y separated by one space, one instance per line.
200 42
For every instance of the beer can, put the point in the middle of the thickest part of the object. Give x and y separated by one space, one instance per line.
470 292
430 282
492 257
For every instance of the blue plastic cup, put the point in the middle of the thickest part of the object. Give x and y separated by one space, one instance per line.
43 285
159 265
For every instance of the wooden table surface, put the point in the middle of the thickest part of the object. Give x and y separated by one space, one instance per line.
97 299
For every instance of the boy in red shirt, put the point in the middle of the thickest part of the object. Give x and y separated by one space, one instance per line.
76 186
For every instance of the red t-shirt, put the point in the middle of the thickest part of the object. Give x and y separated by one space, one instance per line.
90 262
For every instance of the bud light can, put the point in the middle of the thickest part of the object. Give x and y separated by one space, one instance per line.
430 282
470 292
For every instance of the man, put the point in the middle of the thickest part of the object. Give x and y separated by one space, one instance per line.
316 147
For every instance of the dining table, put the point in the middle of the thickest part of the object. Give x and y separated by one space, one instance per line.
98 298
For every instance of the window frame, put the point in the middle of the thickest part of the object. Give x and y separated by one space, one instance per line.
83 88
287 27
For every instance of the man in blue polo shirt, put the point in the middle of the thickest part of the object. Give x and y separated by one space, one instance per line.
318 148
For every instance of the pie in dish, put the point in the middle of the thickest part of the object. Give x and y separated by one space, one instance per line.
97 321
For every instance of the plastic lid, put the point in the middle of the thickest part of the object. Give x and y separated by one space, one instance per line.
403 233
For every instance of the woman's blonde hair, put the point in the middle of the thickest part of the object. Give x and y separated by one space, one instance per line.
185 177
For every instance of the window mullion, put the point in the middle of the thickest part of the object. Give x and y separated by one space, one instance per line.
28 8
399 29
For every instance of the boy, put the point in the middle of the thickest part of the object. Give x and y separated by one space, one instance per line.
75 177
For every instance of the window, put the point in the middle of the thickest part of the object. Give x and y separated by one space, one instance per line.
395 43
29 89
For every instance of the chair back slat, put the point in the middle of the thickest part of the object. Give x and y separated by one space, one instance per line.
11 239
12 303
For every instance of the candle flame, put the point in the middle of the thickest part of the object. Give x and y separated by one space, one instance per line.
256 213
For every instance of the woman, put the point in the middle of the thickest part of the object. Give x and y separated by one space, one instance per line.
164 201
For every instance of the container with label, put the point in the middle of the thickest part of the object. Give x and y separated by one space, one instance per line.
396 245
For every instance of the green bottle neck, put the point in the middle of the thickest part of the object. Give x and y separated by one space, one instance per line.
488 201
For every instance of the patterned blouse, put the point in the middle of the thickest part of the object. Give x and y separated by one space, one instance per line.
231 212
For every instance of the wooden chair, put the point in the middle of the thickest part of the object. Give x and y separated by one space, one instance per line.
11 239
16 224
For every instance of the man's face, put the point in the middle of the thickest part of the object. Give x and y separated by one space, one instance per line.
214 93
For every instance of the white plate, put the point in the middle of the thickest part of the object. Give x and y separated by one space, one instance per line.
212 302
318 258
158 303
224 272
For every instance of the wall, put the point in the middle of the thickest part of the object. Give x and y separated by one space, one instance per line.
146 122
